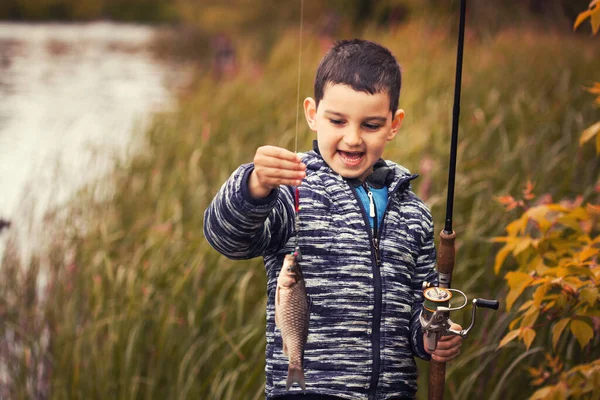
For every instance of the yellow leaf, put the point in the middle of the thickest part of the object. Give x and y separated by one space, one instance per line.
517 281
509 337
557 330
501 256
530 317
528 335
588 252
589 133
538 213
597 144
581 17
589 294
521 245
595 20
539 294
514 322
594 89
570 222
517 226
593 312
525 305
582 331
543 393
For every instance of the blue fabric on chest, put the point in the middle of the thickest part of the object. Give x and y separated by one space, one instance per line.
380 197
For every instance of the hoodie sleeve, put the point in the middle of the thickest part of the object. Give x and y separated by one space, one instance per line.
241 227
424 272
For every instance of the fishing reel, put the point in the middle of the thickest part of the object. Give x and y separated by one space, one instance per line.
435 315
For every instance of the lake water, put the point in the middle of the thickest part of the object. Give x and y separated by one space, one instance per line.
70 98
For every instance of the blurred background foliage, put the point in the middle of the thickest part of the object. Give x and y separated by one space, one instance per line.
128 301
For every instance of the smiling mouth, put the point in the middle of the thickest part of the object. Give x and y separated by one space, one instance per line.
351 158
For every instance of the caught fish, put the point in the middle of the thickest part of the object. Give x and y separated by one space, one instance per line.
291 317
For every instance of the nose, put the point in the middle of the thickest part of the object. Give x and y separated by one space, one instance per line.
353 137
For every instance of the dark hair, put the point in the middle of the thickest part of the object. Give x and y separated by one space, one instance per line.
365 66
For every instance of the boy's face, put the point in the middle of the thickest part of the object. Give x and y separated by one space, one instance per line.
352 128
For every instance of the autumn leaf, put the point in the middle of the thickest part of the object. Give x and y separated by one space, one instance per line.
595 18
593 12
528 335
587 253
517 281
510 336
594 89
530 317
589 133
539 294
557 330
517 226
514 322
528 191
521 245
509 202
581 17
543 393
538 214
501 257
589 295
582 331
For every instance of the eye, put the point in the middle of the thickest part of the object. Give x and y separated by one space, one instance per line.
336 122
372 127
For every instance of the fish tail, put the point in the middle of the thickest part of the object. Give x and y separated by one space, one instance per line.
295 374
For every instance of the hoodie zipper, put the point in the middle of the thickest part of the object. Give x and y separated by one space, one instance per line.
374 238
375 260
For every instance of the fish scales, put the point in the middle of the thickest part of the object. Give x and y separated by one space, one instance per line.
291 317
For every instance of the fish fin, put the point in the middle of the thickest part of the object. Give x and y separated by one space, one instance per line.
285 350
295 374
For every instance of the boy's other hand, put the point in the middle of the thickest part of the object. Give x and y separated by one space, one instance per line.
448 347
274 166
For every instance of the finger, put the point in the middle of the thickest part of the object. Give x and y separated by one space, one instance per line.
278 163
280 173
444 358
446 352
274 181
455 341
278 152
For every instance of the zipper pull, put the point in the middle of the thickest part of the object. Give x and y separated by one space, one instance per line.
371 204
376 248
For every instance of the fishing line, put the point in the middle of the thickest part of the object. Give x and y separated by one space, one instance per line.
297 191
299 70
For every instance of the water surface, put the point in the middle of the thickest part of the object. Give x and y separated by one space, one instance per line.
70 98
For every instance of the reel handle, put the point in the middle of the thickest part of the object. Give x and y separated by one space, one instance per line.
483 303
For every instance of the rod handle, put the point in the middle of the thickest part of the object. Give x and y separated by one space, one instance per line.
483 303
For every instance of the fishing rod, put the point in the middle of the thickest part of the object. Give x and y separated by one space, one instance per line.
437 304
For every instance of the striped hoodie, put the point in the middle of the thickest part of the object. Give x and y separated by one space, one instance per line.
365 296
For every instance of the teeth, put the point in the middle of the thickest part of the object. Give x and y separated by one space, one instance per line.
350 156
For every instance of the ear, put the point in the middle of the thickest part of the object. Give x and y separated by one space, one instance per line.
310 112
396 123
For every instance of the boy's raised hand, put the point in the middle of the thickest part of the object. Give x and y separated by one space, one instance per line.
274 166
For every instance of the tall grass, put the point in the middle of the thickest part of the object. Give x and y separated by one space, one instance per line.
138 306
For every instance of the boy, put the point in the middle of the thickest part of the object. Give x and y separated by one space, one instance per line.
366 240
